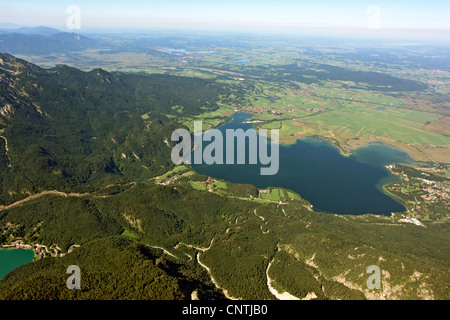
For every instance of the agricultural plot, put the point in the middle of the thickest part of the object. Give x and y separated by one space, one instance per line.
219 185
402 125
209 119
406 126
174 171
293 196
197 185
276 194
127 233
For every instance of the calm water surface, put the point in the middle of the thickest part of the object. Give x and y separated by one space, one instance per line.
316 170
11 259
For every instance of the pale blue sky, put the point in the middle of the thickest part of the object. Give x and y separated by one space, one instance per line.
232 15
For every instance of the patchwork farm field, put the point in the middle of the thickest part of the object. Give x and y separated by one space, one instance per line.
336 93
399 124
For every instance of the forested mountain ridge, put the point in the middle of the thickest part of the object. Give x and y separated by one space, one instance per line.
114 268
63 128
83 135
244 244
43 41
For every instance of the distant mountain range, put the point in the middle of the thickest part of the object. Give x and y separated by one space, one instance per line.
43 31
42 40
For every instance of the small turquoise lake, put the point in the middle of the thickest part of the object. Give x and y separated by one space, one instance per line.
11 259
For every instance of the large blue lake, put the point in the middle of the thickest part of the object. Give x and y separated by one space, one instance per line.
316 170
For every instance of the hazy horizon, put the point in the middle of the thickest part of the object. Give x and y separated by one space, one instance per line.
382 19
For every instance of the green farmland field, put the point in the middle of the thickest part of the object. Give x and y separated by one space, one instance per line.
398 124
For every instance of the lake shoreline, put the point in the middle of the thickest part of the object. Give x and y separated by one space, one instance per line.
351 148
314 166
13 258
40 250
346 151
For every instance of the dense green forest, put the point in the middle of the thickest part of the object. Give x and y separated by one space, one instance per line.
313 250
76 151
309 72
111 268
237 239
73 130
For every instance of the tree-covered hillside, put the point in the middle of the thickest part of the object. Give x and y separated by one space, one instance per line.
111 268
66 129
86 181
243 243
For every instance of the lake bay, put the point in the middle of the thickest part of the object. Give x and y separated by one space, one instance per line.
319 173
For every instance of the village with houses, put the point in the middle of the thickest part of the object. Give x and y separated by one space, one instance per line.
424 189
264 109
11 237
